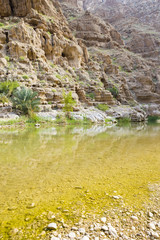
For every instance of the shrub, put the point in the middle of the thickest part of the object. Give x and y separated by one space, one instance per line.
108 121
52 65
102 107
124 121
69 103
3 98
7 58
22 58
1 24
71 18
153 119
60 119
58 76
33 118
42 81
90 95
26 100
25 77
114 91
8 87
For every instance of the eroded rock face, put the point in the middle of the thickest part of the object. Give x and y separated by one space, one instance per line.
74 3
23 7
40 37
147 11
136 114
115 10
144 89
38 49
95 32
73 53
137 21
15 7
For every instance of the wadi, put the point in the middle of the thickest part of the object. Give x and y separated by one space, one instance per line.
79 119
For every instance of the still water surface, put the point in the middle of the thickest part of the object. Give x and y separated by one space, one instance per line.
70 170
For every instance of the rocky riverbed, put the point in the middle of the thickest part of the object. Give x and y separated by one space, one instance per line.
116 223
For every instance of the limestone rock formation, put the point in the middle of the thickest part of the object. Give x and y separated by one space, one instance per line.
40 36
23 7
140 78
86 55
137 21
147 11
74 3
95 32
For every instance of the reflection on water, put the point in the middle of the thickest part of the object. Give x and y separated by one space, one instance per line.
76 169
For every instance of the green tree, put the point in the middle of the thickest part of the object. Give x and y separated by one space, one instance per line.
114 90
69 103
26 100
8 87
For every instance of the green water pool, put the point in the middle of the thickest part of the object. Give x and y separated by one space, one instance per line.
73 170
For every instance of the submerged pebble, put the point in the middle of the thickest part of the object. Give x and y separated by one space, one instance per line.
32 205
52 226
85 238
103 219
74 228
152 226
112 231
150 214
55 238
155 235
104 228
72 235
81 230
134 218
116 197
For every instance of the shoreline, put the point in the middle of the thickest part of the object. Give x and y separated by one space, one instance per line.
85 116
24 122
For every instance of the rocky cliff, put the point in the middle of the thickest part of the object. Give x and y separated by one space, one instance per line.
95 32
137 21
39 46
86 55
